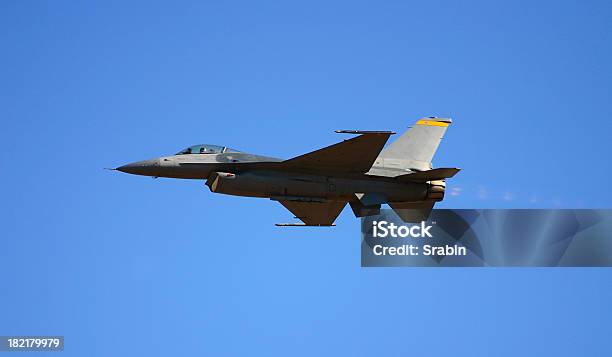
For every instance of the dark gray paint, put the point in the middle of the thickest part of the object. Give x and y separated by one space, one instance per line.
322 187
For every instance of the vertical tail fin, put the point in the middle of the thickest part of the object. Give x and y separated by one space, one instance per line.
417 146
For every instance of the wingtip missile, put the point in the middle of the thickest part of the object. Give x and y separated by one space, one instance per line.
364 132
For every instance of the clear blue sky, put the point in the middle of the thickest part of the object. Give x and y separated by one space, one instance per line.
122 264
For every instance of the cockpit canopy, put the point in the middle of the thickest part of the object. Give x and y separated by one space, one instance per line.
206 149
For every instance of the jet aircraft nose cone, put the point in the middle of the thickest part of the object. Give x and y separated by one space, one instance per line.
146 168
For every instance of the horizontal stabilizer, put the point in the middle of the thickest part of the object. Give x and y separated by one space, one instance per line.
430 175
412 212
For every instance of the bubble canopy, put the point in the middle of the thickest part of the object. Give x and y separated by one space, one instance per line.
206 149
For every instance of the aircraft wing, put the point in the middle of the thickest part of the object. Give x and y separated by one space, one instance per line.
315 213
355 155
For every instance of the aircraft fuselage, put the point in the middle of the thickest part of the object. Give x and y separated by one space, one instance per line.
238 174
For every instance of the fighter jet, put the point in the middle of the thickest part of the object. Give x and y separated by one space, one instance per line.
316 186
